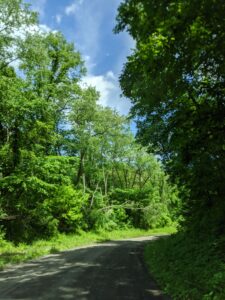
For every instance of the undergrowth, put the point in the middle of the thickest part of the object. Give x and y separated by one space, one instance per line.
187 267
11 254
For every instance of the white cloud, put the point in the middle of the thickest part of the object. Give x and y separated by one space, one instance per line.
72 8
32 29
58 18
93 22
43 28
103 85
108 87
39 6
87 27
21 34
126 50
89 64
110 75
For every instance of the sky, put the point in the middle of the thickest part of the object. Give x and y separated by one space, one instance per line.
89 25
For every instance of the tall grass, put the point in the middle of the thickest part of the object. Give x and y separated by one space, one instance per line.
11 254
187 267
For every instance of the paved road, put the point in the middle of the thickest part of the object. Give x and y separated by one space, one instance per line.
107 271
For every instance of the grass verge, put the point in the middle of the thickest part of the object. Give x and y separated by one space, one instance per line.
11 254
188 267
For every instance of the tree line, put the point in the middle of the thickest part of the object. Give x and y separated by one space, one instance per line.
66 162
175 80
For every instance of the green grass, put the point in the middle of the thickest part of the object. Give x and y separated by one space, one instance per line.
10 254
188 267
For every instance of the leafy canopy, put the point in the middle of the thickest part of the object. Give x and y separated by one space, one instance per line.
175 79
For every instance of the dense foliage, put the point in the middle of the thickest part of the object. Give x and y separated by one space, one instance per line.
66 163
188 268
175 79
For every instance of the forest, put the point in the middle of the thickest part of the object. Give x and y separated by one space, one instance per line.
175 79
69 165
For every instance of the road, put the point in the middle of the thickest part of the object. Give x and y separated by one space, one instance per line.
106 271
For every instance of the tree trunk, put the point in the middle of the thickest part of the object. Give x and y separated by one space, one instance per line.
105 176
15 145
80 167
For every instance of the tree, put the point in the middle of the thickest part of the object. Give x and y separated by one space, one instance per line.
93 132
62 154
33 112
14 18
175 80
52 68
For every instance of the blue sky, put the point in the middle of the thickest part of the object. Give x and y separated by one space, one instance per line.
89 24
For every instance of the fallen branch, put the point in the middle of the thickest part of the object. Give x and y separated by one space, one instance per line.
9 218
124 206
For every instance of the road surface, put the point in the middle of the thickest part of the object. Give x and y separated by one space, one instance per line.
107 271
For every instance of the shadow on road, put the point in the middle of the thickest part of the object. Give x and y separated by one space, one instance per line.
113 270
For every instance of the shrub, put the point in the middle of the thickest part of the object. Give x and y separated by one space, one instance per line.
67 208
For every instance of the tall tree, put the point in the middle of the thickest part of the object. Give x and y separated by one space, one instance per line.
52 68
93 131
175 79
15 17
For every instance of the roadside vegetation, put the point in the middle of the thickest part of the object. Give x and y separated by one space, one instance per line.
188 267
72 173
11 254
67 164
175 79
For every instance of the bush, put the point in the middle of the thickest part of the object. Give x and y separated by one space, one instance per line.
188 267
67 208
25 194
146 208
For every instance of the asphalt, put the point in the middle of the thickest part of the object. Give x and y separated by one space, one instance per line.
107 271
